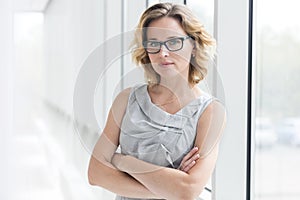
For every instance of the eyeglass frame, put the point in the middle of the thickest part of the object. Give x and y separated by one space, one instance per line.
164 43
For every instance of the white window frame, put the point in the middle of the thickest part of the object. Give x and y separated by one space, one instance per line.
232 33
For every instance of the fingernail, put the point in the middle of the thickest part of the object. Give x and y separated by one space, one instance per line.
196 148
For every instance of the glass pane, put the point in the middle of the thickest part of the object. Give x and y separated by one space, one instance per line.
204 10
277 124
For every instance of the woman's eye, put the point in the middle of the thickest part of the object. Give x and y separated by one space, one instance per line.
173 42
153 44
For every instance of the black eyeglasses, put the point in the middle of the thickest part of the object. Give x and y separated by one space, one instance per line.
174 44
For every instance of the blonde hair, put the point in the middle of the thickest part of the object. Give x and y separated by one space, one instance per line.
205 44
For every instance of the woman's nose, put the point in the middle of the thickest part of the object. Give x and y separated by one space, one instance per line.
163 51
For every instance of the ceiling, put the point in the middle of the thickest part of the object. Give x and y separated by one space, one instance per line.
30 5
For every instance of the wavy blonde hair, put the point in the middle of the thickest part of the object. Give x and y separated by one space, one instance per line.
205 44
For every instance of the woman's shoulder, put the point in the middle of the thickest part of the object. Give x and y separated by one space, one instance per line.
211 106
123 97
210 100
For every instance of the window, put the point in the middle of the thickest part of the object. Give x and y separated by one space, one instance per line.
277 109
204 10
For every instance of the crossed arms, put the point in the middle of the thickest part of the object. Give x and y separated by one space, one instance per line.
131 177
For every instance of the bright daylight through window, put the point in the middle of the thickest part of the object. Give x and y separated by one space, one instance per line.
277 125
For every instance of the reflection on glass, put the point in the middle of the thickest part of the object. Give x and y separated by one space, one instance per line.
277 124
204 10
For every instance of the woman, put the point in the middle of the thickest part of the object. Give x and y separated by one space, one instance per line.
168 130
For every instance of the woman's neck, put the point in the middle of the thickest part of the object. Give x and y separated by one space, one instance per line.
176 88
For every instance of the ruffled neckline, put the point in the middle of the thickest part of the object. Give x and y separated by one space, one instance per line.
158 115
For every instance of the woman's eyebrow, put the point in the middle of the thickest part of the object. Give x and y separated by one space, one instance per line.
152 38
170 37
177 36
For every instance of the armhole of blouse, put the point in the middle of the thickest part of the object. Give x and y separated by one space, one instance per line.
219 136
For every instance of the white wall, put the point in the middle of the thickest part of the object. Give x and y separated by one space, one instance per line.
73 28
75 33
6 97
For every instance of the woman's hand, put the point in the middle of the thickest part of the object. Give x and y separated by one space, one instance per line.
189 160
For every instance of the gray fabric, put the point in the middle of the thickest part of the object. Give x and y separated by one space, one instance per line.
155 136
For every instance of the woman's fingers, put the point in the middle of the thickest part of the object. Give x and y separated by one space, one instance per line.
190 154
187 165
187 161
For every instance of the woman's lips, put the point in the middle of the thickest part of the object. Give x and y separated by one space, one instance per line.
166 64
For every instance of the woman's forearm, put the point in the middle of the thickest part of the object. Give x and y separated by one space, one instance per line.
106 176
166 182
102 173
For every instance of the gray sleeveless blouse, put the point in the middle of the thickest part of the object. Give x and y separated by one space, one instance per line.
156 136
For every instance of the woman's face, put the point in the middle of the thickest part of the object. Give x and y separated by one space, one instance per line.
169 63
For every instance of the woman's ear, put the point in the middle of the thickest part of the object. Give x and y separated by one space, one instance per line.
194 46
194 51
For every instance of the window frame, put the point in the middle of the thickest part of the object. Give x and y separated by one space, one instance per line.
233 31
